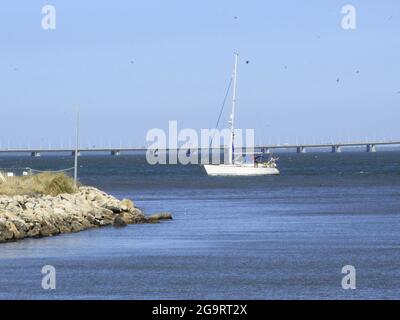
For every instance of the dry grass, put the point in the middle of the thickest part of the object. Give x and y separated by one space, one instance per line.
39 184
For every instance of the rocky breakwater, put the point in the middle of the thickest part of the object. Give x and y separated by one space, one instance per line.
24 216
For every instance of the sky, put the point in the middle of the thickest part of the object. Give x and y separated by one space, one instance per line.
131 66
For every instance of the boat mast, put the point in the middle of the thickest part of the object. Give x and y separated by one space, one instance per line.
232 120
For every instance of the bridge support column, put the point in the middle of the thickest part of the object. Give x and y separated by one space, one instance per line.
301 149
115 152
336 149
371 148
35 154
73 153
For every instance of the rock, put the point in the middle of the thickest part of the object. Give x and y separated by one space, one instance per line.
91 197
68 197
34 232
19 199
127 205
48 229
13 229
106 212
76 226
5 232
65 228
126 217
160 216
19 224
119 222
40 216
112 206
30 205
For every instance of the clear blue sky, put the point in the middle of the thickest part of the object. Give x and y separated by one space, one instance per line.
182 53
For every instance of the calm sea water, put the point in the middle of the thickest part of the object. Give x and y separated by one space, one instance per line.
278 237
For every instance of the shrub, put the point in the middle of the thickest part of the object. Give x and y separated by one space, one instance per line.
46 183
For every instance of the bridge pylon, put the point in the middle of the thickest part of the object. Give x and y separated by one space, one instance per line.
371 148
336 148
301 149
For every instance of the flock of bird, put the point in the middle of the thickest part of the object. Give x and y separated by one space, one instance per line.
319 37
248 61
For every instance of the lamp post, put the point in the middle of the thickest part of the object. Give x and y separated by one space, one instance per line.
76 149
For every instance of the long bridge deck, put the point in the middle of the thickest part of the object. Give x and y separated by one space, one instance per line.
299 148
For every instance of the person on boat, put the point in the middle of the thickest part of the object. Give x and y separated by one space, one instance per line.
256 160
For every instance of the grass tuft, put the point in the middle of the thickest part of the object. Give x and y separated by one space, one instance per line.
45 183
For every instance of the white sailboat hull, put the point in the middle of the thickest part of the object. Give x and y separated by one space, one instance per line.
238 170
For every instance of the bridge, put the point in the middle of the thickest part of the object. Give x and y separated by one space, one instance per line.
370 146
334 147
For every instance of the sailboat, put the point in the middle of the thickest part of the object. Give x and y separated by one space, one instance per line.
235 167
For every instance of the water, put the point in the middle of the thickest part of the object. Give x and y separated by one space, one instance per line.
277 237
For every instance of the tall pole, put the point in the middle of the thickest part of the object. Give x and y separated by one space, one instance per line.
231 147
76 149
